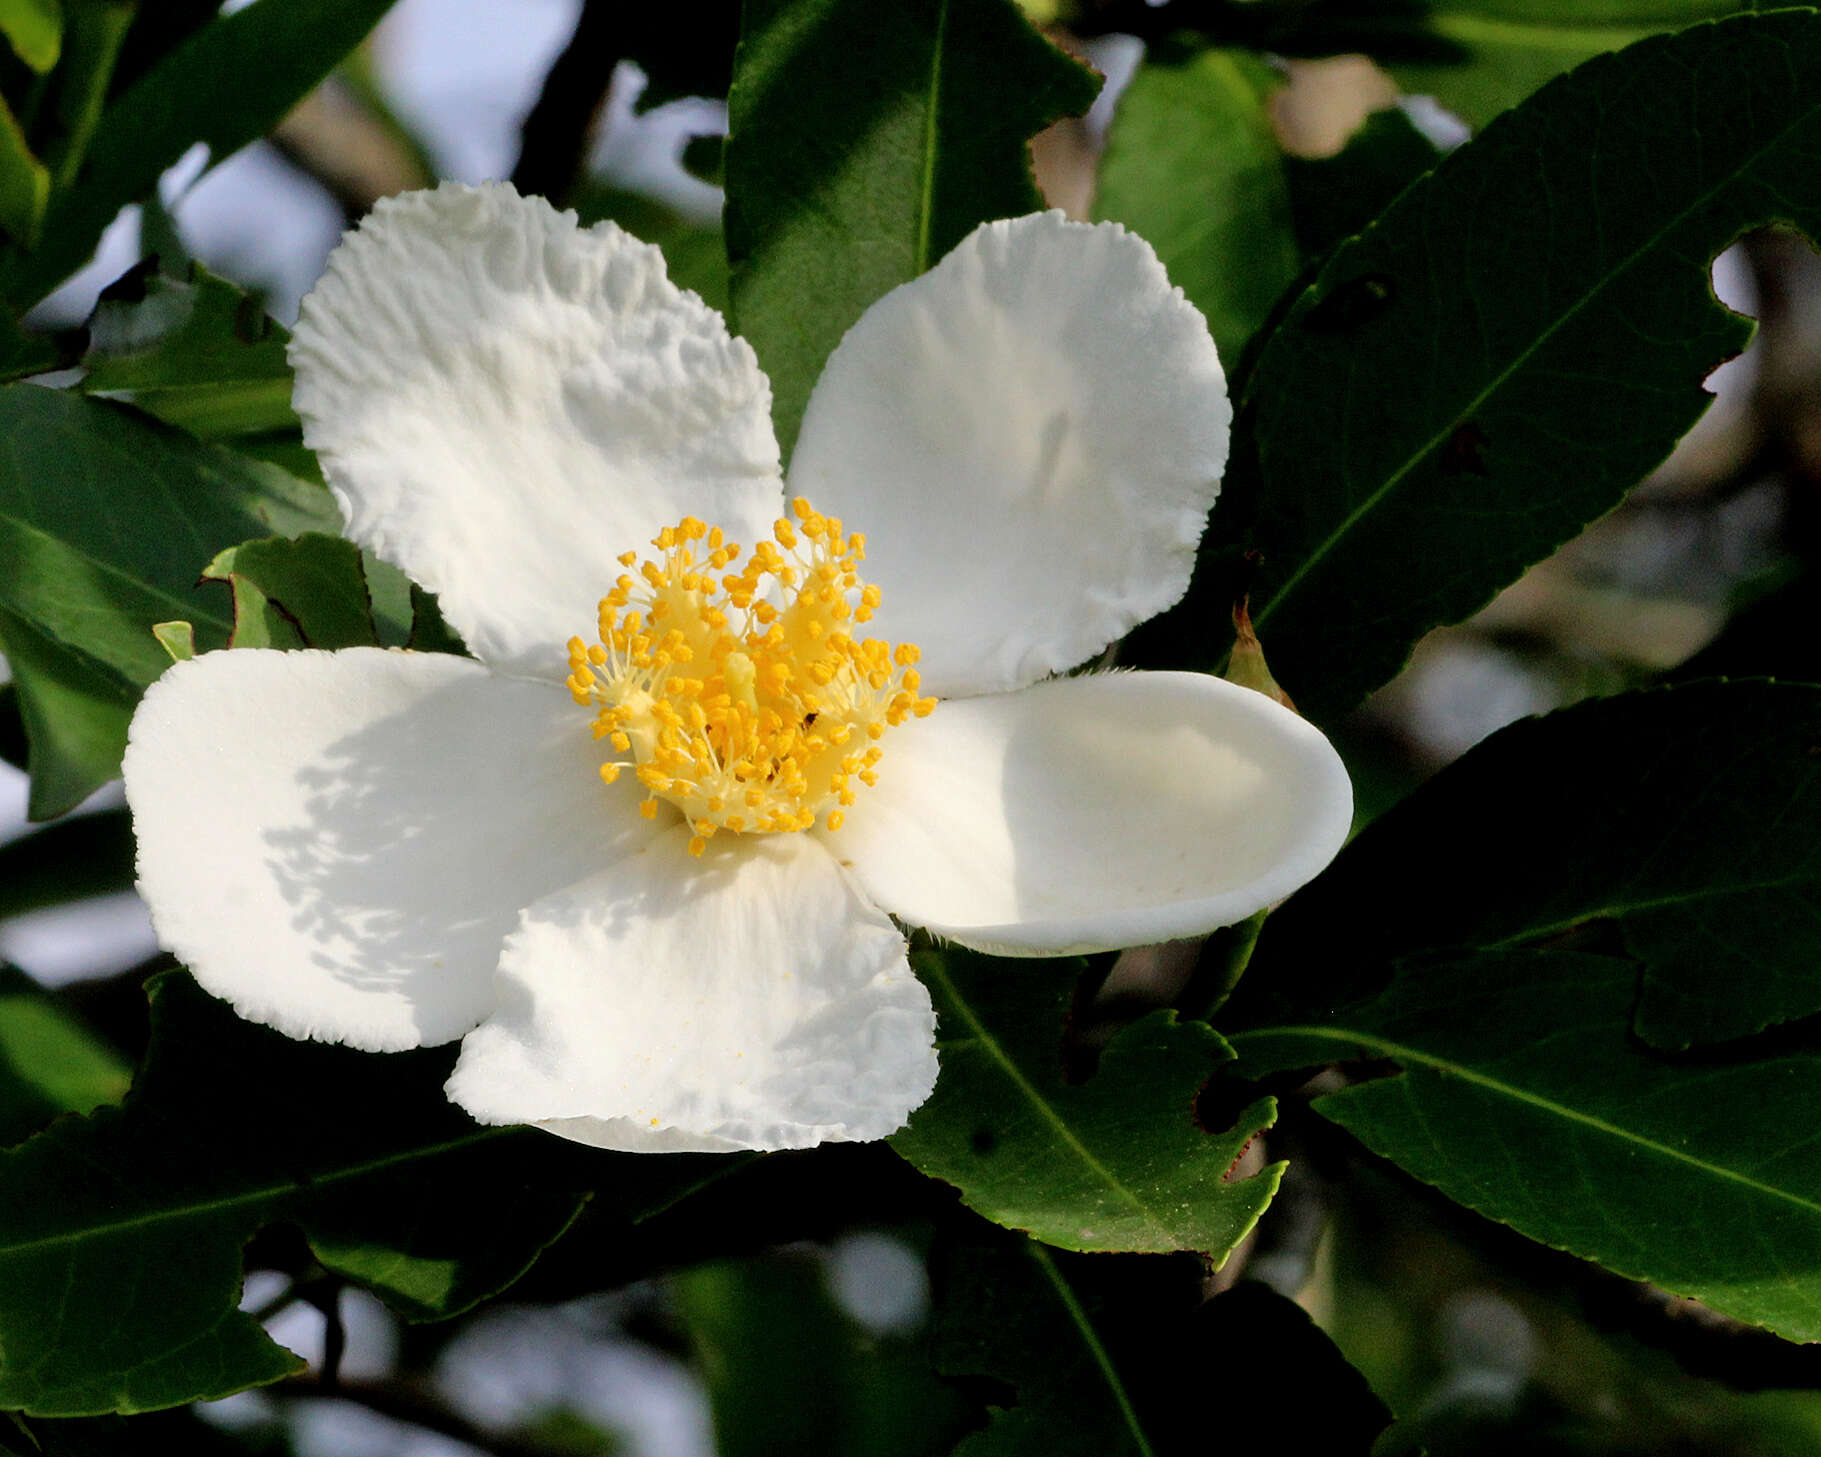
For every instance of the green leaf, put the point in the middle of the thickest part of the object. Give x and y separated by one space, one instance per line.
1506 49
25 182
1118 1163
49 1063
120 1234
196 351
1332 198
296 592
34 29
757 1325
865 141
1192 165
203 91
1520 337
1522 1094
1123 1355
1686 816
86 855
75 711
106 518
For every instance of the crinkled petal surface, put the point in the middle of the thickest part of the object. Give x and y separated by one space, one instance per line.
1030 435
504 402
339 843
744 999
1089 813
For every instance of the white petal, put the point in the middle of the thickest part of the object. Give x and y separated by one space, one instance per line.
504 402
745 999
1089 813
1030 435
338 843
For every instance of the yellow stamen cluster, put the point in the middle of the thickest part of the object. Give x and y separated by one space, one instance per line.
740 694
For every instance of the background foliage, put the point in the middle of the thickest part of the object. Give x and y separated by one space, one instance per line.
1496 1137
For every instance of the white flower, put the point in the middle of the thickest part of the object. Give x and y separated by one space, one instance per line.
392 849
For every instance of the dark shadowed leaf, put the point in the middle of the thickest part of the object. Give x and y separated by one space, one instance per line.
85 855
1521 1094
1117 1163
1684 816
757 1325
1107 1354
121 1233
1519 338
865 141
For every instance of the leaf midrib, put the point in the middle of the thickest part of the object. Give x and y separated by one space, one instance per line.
1262 614
991 1044
926 190
1091 1339
263 1194
1401 1052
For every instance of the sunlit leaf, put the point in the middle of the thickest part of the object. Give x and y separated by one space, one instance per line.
49 1062
34 29
74 711
1120 1162
225 85
25 183
864 142
1521 1093
1193 166
195 351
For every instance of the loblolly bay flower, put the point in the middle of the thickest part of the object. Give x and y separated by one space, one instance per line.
644 850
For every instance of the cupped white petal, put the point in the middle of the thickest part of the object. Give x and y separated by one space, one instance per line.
339 843
1089 813
504 402
1030 435
744 999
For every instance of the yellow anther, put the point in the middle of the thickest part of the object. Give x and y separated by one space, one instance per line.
734 694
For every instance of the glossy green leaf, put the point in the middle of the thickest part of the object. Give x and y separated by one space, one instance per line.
196 351
86 855
297 592
1519 338
34 29
1193 166
1522 1094
25 183
1117 1163
864 142
106 518
120 1234
1689 817
49 1062
75 712
199 92
1503 50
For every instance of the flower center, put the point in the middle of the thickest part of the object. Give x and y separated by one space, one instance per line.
742 696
